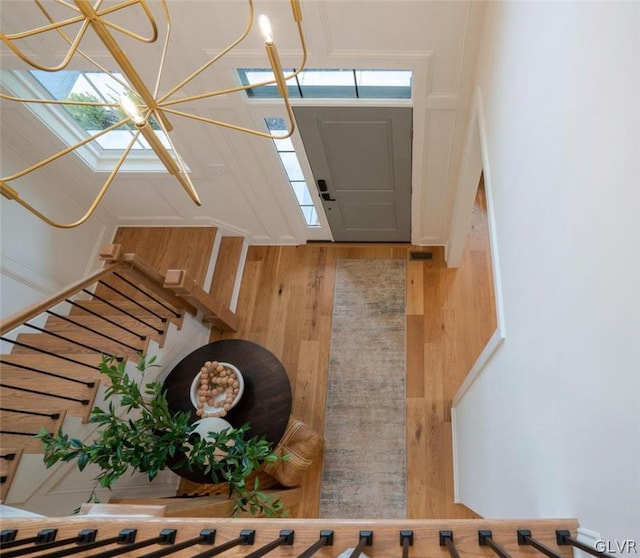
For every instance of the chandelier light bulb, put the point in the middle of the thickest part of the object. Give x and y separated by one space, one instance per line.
265 29
132 110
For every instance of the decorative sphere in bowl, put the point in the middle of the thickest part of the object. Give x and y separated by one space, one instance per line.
216 389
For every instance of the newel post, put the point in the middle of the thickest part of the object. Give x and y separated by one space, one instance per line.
213 312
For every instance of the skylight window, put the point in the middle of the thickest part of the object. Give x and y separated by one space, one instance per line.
293 170
98 87
332 83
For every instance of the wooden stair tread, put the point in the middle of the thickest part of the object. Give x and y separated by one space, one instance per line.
51 397
30 444
28 379
104 309
59 366
55 345
63 327
226 270
8 468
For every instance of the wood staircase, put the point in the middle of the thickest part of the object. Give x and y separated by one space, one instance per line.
49 369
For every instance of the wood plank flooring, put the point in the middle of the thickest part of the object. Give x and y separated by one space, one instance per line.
285 304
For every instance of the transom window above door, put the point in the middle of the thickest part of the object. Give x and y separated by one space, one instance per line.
332 83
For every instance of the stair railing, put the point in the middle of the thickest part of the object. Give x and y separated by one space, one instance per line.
102 536
52 370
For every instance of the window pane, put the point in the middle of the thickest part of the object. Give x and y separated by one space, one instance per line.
326 77
384 84
302 193
335 83
327 84
291 166
310 215
384 78
108 87
284 144
260 75
276 124
116 139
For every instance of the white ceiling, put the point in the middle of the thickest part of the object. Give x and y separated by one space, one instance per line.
238 177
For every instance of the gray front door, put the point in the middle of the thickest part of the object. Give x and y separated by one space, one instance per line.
361 160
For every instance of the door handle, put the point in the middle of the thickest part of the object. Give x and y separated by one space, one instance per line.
327 197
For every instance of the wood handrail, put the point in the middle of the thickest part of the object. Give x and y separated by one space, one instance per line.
154 281
213 311
38 308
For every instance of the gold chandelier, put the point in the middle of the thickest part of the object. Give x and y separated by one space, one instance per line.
147 104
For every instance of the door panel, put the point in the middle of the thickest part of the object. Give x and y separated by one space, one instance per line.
363 155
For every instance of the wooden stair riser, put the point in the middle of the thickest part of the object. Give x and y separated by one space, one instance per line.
227 269
111 333
48 402
55 345
30 444
9 460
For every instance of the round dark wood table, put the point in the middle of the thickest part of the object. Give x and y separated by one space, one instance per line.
265 403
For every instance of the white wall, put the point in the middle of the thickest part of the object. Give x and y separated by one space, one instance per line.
551 427
37 260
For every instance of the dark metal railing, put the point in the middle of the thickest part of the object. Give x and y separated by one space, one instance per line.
406 540
125 542
564 538
485 538
85 536
104 318
94 331
146 293
162 318
285 539
365 539
47 373
67 339
326 539
207 536
115 307
124 537
46 394
49 353
525 538
446 539
246 537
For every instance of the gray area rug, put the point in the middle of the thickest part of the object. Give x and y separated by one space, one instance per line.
364 458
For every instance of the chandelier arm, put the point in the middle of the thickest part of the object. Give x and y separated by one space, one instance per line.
136 36
165 48
303 63
67 5
78 51
185 181
14 195
43 28
62 153
63 64
214 59
57 102
235 126
131 34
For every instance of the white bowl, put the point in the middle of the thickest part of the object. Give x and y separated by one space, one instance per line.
208 409
212 425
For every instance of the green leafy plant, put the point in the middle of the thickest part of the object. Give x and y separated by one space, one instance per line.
142 434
